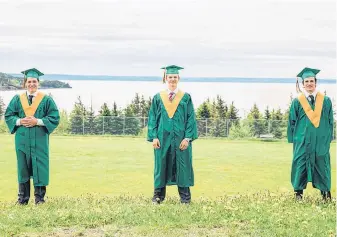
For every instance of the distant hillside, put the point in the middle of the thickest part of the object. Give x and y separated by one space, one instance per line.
9 82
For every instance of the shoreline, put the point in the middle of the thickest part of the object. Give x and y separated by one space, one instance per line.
41 88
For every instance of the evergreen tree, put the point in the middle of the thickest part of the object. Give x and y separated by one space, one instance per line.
116 121
77 117
103 120
89 123
204 111
219 122
136 106
233 113
203 114
267 117
132 124
256 122
233 116
267 114
278 123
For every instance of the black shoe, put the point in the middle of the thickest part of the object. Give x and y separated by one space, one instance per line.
39 193
299 195
159 195
326 195
21 203
185 202
156 200
185 195
39 202
24 193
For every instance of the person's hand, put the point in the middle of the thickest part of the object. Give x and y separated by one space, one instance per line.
156 143
29 121
183 145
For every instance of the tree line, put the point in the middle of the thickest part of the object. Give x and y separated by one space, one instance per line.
215 117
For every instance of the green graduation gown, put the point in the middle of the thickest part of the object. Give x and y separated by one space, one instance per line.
172 166
32 144
311 146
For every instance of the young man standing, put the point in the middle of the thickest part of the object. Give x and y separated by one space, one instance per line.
32 116
310 129
172 127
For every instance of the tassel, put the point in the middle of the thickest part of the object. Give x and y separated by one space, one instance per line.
298 86
24 81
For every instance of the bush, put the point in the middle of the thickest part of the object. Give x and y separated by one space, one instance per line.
242 130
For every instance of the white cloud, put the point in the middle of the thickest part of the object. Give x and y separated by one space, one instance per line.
132 37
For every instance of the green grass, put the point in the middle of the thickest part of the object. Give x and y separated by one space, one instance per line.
101 186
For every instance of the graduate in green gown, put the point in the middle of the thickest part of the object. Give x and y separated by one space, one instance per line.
172 127
32 116
310 129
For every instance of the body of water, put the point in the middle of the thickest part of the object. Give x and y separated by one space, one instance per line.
244 95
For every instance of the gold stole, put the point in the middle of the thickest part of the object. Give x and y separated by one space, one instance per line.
171 106
314 116
30 109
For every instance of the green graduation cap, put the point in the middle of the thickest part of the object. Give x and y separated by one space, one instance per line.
172 69
308 72
33 72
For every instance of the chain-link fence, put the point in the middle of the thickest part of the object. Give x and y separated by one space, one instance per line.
137 126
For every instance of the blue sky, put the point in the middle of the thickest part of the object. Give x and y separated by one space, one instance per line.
261 38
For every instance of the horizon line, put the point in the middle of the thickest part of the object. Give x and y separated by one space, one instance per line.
220 77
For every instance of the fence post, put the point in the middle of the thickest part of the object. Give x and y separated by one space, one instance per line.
206 128
103 124
82 124
269 125
227 124
124 126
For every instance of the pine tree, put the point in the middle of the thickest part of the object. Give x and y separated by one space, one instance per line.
233 112
77 117
132 124
219 123
204 111
116 121
90 121
255 121
267 114
233 116
136 106
221 107
203 114
103 120
278 123
115 111
267 117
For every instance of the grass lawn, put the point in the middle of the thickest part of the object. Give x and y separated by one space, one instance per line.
102 186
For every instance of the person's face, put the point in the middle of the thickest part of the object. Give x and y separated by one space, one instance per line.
31 84
309 84
172 79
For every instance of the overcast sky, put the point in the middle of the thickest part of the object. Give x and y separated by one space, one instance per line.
252 38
